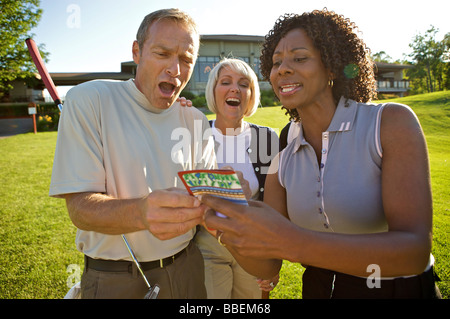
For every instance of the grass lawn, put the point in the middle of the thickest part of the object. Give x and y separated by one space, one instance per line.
37 236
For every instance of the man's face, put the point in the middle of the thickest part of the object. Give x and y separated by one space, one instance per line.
166 62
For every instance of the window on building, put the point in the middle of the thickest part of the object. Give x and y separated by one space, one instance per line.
206 63
203 66
257 69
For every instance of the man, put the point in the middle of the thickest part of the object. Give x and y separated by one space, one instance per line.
116 164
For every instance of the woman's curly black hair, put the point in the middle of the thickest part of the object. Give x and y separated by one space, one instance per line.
342 52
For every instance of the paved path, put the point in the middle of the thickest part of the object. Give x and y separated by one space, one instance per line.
10 127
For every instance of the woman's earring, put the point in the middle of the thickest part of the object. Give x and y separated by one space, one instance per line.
330 82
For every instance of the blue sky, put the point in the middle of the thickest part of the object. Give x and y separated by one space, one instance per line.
96 35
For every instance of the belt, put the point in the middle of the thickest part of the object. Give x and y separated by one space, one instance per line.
127 266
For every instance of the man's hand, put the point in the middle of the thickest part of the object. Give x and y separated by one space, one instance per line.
165 213
170 213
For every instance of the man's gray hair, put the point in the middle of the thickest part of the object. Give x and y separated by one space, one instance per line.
170 14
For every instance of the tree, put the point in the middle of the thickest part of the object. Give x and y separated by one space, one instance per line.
17 18
382 56
446 59
428 60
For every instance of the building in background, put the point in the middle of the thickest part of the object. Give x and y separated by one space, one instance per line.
390 78
213 48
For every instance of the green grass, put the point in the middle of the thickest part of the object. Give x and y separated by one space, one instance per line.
37 238
36 234
433 111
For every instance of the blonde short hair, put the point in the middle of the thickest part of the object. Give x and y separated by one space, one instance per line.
239 67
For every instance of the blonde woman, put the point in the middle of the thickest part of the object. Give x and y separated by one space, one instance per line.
232 93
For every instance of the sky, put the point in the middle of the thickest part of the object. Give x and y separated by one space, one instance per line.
97 35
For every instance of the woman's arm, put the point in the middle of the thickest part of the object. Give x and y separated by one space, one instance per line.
404 249
406 192
257 232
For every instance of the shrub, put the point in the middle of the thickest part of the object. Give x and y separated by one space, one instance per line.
188 95
47 122
268 98
199 101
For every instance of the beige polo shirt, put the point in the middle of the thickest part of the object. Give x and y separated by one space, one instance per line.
112 141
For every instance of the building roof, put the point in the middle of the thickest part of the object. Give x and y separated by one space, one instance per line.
390 67
232 37
77 78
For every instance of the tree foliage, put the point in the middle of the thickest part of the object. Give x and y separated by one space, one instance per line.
17 19
430 72
382 56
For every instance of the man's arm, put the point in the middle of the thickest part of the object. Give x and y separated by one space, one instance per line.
165 213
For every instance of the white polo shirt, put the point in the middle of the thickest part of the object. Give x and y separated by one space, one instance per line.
112 141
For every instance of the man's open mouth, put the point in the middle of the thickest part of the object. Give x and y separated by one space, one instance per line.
167 88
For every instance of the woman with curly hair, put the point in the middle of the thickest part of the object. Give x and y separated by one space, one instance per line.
350 197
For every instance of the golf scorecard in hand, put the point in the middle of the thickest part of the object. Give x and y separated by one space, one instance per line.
220 183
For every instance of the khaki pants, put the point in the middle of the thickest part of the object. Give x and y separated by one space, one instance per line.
182 279
224 278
